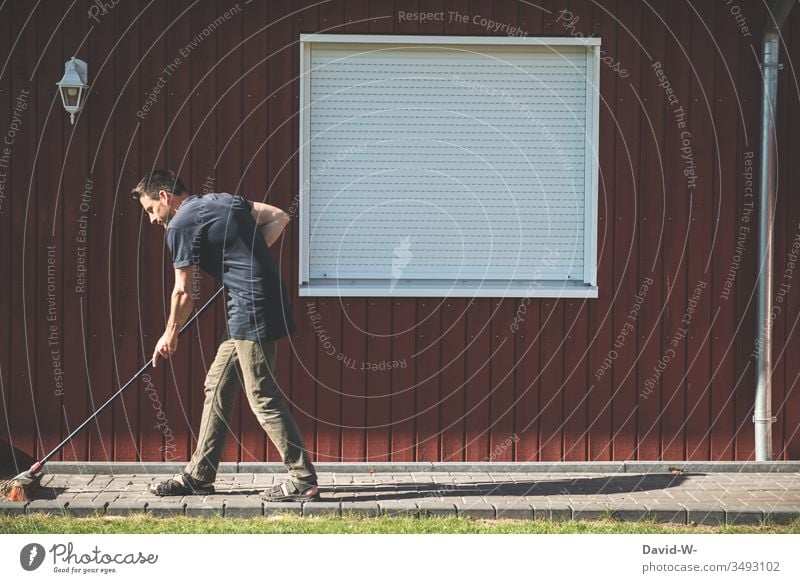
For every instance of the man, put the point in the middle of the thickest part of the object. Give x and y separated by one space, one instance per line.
227 236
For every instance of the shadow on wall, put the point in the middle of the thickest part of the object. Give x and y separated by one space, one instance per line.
14 459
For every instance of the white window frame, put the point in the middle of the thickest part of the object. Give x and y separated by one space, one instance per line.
459 288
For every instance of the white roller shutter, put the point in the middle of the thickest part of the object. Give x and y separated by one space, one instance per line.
447 166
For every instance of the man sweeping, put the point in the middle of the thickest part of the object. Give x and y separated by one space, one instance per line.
228 236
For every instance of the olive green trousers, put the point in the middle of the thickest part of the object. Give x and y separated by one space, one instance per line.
251 365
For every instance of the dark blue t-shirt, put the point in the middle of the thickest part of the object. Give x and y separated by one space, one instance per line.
218 233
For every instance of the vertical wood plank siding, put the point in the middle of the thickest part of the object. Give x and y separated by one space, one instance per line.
210 88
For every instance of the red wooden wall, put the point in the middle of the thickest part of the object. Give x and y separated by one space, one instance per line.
226 119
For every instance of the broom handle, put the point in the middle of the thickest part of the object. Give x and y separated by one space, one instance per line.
38 465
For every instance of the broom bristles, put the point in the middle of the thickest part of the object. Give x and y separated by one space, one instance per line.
17 493
21 488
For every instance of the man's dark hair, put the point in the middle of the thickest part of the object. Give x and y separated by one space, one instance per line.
158 180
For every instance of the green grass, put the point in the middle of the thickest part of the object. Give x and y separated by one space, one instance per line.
291 524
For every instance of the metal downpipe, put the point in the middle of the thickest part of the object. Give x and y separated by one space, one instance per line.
762 415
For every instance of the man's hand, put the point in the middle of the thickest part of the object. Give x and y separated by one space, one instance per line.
181 305
165 347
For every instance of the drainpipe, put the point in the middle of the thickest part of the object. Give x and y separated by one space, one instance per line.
762 417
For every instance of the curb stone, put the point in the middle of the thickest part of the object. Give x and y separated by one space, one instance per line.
629 513
743 515
85 508
166 509
12 508
312 508
781 515
589 511
46 507
361 509
514 511
393 508
551 511
671 513
277 508
205 509
125 508
704 515
243 509
559 512
477 510
435 508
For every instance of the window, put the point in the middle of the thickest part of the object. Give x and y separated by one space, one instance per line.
448 166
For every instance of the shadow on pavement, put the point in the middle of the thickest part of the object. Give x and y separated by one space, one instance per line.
577 486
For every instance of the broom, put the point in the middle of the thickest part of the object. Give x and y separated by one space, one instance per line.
24 486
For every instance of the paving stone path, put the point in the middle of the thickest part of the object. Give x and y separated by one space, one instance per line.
685 498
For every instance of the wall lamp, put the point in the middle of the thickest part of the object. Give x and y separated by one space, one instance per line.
73 86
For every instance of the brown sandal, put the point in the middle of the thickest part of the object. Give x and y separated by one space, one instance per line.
291 491
189 487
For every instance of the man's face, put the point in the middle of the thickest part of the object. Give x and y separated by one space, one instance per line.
159 211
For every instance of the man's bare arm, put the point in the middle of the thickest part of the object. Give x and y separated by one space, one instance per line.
181 304
271 221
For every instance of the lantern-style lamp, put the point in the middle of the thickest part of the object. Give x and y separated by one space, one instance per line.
73 86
